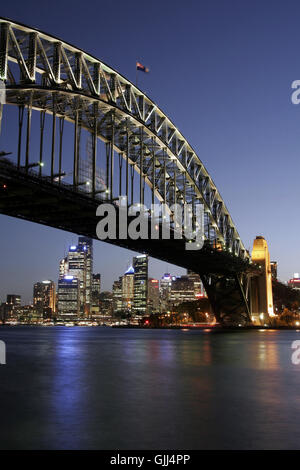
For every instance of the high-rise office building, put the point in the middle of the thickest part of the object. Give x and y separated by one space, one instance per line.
79 264
165 290
128 289
140 266
182 290
68 304
96 289
63 267
198 286
117 296
153 296
44 298
13 299
10 308
87 245
77 269
106 303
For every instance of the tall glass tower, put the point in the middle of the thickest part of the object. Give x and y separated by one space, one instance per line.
86 244
140 301
44 298
68 298
79 265
128 289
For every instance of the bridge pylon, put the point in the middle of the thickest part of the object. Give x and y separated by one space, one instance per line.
261 285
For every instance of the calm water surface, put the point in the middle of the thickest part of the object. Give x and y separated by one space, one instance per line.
104 388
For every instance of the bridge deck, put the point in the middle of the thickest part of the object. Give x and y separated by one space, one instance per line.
30 197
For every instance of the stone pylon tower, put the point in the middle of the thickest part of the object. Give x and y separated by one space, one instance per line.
261 286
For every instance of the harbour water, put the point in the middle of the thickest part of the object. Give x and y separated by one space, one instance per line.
110 388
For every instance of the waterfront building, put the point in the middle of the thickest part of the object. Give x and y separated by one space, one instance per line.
86 245
294 283
140 266
96 289
182 290
165 290
153 296
68 298
128 289
198 286
117 296
106 303
13 300
79 264
44 298
9 308
77 269
29 314
7 312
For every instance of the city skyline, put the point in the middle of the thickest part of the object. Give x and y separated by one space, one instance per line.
18 285
77 296
77 266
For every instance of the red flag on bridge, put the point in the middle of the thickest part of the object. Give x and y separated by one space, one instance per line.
142 68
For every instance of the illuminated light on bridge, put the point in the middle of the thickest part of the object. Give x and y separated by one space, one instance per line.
133 149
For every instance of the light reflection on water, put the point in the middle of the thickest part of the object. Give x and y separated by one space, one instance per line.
103 388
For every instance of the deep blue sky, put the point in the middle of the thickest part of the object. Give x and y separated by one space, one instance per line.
222 71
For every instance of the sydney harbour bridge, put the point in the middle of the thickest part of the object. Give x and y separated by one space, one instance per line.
84 135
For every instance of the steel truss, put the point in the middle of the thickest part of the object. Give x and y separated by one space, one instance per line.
57 78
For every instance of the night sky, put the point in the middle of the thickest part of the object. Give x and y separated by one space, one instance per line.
222 71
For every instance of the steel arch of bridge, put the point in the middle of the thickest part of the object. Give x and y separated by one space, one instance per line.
57 78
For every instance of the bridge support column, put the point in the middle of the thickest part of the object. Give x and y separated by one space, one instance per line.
75 163
229 298
61 131
21 117
42 128
261 285
29 115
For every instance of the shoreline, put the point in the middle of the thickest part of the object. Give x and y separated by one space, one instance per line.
217 328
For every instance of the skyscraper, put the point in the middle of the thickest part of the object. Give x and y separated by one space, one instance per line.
96 289
44 298
182 290
165 290
128 289
117 296
86 244
9 309
153 296
77 269
63 267
140 266
79 264
68 304
198 286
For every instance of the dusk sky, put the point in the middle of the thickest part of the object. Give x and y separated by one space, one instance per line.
222 71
